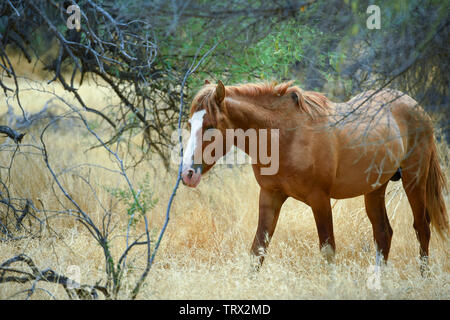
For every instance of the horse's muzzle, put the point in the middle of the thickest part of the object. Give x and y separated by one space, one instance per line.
191 177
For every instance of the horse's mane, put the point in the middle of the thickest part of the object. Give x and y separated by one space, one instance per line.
311 102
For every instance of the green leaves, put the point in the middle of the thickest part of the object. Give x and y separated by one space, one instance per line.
135 202
274 56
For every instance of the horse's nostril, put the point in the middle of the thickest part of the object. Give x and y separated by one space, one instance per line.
190 173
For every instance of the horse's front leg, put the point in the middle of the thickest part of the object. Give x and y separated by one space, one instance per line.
270 203
321 207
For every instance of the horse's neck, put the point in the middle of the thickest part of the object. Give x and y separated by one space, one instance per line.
245 113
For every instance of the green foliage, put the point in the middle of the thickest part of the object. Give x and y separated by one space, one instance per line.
139 202
273 57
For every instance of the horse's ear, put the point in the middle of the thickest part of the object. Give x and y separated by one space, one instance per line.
298 99
207 82
220 92
294 97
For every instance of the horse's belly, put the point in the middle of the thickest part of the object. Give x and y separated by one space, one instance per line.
353 187
362 169
368 174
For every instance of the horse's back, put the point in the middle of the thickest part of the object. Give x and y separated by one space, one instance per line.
386 111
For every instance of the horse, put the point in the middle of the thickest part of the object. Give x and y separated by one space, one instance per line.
327 151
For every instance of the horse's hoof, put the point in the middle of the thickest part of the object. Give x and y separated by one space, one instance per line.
328 253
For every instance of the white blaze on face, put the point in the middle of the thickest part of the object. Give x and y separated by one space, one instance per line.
196 129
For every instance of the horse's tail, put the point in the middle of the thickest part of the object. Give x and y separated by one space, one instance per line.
436 185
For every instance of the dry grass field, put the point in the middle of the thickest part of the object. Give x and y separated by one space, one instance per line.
205 251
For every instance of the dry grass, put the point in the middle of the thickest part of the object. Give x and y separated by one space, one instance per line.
205 252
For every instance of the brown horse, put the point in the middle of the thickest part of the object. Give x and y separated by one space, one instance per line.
328 150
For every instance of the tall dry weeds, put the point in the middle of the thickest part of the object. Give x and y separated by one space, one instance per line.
205 252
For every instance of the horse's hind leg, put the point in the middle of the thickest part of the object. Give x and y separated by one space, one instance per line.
382 231
416 191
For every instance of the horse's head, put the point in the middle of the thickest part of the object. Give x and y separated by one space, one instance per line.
206 126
